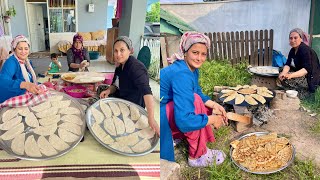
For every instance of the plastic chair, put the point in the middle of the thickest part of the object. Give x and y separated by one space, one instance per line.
144 56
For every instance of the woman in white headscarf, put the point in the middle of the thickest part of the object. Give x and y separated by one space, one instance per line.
17 75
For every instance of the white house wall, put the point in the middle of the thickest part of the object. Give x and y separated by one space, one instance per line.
279 15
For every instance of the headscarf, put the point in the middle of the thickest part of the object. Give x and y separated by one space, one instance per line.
24 65
77 53
126 40
187 40
303 35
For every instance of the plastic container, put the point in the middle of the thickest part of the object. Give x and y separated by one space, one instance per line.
108 78
76 91
292 93
94 55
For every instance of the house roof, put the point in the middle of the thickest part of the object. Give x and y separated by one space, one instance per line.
172 24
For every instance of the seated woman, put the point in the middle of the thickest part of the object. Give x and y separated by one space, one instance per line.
17 75
302 69
131 80
184 108
77 56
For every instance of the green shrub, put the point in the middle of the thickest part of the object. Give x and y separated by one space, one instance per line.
222 73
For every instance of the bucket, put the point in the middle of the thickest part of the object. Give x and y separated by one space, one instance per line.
108 78
76 91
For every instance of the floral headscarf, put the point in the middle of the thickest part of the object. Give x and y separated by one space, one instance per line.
187 40
126 40
77 53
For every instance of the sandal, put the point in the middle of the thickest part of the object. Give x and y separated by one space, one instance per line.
208 159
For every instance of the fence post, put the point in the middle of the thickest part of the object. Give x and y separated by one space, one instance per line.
266 49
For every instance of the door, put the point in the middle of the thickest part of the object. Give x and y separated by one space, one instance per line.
36 27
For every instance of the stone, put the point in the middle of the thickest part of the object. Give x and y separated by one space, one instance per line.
169 170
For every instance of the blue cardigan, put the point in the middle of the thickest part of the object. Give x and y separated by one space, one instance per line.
10 79
178 84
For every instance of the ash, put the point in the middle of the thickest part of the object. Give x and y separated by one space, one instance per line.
261 114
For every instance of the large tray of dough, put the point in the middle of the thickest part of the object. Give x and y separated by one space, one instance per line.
262 152
264 70
83 77
43 131
121 126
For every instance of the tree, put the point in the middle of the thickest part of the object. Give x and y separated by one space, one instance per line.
154 14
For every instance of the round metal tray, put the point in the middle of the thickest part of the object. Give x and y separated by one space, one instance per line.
266 172
244 103
90 121
80 75
6 145
258 70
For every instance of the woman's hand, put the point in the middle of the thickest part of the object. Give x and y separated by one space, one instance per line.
288 76
282 76
216 120
217 107
105 93
31 87
154 125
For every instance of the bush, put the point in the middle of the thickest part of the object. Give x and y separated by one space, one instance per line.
222 73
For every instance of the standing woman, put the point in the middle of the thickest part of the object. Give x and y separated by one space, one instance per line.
77 56
131 80
184 108
302 69
17 75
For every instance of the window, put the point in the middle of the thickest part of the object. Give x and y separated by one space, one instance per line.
4 26
62 16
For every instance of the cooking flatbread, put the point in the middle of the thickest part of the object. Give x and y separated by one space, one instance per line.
9 114
129 140
48 112
259 98
239 99
67 136
247 91
32 148
50 120
249 99
134 112
70 110
228 93
121 147
114 108
97 115
11 123
17 144
31 120
55 98
124 109
109 126
41 107
231 97
23 111
58 143
142 146
74 128
255 87
45 147
147 133
13 132
72 119
61 104
264 93
245 86
46 130
129 124
118 123
142 122
105 109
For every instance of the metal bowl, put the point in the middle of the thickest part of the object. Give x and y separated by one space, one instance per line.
6 145
90 121
265 172
264 70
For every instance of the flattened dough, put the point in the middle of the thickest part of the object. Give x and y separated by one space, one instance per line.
98 116
11 123
142 146
58 143
121 147
99 132
32 148
23 111
124 109
114 108
46 130
17 144
70 110
32 120
129 140
67 136
118 123
105 109
13 132
55 98
73 128
48 112
41 107
142 122
45 147
129 125
147 133
134 112
61 104
9 114
50 120
72 119
109 126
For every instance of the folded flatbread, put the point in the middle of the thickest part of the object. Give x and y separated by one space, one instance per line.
32 148
46 130
129 140
45 147
109 126
142 146
97 115
73 128
99 132
58 143
239 99
147 133
114 108
118 123
231 97
105 109
9 114
31 120
50 120
17 144
23 111
70 110
124 109
67 136
41 107
13 132
259 98
48 112
121 147
249 99
55 98
72 119
134 112
142 122
129 125
11 123
61 104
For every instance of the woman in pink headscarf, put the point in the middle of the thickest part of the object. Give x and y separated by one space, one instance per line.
77 56
17 75
184 109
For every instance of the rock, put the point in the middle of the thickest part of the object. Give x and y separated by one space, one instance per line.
169 170
308 111
285 104
313 114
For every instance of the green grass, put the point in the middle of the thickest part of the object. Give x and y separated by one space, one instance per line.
313 103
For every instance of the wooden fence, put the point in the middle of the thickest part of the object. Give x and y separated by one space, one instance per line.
254 47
